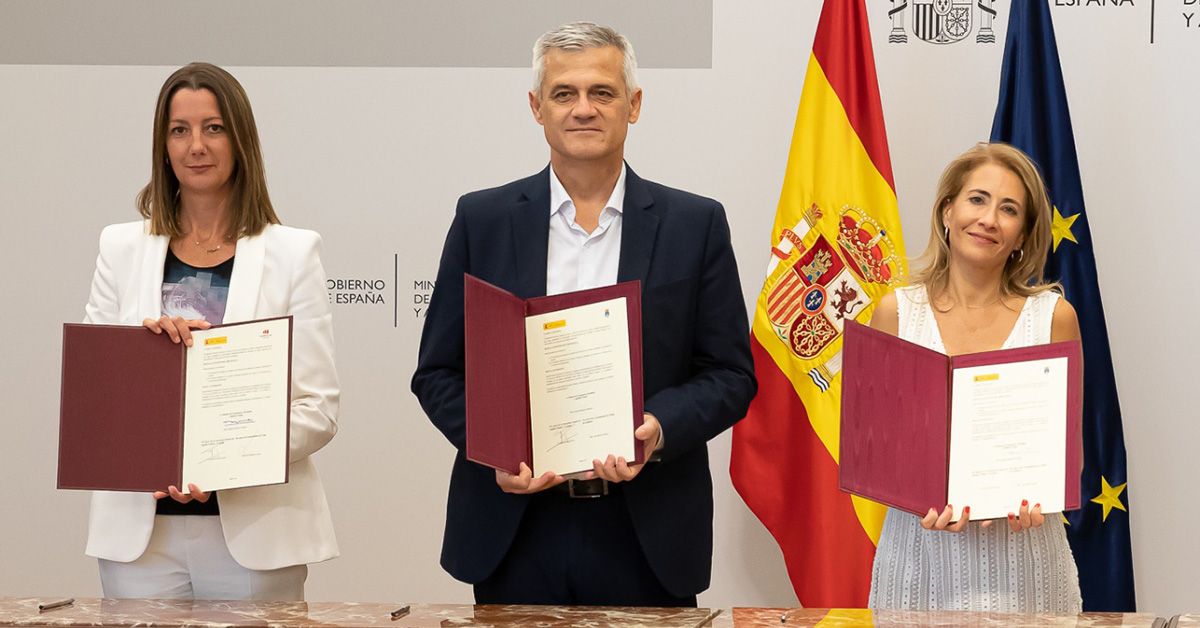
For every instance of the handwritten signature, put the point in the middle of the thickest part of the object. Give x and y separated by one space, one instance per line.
210 453
564 436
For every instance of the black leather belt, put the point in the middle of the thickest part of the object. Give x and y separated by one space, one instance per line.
583 489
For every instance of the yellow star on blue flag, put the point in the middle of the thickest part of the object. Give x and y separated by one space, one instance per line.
1061 228
1109 497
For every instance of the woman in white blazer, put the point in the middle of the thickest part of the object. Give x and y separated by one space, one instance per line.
211 247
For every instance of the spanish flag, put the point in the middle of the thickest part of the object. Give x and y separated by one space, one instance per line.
835 249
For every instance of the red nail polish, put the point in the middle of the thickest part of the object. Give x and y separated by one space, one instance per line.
1037 505
1010 516
1024 503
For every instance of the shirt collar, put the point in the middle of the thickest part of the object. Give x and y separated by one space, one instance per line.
559 197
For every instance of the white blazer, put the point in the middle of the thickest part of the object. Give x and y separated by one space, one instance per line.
276 273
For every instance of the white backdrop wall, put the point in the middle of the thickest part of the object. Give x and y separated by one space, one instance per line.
374 159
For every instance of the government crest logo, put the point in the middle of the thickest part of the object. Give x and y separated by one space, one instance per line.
942 21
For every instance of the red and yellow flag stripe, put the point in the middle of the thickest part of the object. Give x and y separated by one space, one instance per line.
836 231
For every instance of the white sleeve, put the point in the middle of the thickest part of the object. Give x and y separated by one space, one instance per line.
315 389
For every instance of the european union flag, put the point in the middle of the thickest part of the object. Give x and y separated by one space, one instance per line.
1032 115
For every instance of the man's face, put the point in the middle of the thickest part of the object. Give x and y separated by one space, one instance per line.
583 105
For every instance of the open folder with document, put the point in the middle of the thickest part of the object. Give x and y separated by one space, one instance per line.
987 430
552 381
141 413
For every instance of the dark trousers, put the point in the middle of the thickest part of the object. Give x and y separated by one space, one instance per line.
576 552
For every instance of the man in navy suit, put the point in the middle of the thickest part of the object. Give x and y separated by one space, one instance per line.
627 534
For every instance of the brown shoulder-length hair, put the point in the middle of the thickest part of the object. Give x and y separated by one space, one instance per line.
249 204
1023 272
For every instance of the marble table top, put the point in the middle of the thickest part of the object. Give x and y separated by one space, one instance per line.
214 614
793 617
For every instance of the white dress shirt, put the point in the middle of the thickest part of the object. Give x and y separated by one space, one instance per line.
576 259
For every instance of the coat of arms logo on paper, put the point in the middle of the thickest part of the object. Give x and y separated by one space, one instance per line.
942 21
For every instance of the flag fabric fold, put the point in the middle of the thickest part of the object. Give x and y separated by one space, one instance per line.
1032 114
836 247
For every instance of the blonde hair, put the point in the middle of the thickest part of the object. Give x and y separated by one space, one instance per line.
1022 274
249 205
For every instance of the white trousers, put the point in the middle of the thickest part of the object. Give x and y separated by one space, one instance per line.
187 560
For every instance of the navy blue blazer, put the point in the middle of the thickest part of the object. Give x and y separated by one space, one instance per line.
699 374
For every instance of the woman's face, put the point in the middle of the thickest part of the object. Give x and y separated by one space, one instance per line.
986 220
198 144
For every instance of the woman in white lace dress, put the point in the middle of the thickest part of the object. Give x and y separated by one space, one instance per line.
980 287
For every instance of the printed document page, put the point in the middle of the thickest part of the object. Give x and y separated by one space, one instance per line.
580 386
1008 437
237 406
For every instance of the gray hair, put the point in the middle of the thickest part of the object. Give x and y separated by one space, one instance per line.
577 36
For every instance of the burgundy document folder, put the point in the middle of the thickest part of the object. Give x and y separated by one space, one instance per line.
895 429
121 414
497 377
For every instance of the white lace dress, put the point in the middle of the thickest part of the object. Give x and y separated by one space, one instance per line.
978 569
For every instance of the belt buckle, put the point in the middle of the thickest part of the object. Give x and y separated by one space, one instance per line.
571 490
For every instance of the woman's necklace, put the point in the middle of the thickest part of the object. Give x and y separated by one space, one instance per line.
213 249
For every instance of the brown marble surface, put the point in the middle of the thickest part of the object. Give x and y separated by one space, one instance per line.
774 617
208 614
